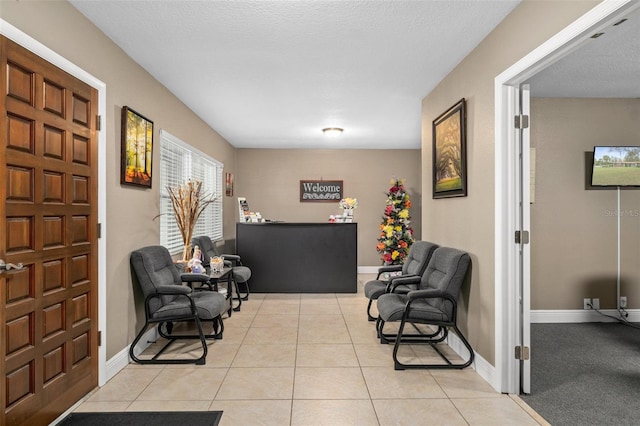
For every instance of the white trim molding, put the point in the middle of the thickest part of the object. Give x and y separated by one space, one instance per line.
480 365
368 269
120 360
582 315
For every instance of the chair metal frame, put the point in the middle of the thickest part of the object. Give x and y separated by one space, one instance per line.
433 339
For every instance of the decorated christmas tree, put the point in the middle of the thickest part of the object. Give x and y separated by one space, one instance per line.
396 236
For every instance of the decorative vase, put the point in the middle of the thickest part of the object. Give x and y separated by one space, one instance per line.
348 215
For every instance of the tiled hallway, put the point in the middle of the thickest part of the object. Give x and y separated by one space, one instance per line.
309 359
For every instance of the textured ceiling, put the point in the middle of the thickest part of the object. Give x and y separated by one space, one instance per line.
272 74
603 67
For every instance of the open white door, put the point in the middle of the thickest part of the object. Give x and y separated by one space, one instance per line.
522 238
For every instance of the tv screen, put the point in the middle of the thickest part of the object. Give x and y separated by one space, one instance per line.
616 166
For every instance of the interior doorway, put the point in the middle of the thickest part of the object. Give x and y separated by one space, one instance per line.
510 267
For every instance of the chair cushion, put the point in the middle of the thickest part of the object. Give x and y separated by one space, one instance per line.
374 289
391 307
209 304
241 274
421 311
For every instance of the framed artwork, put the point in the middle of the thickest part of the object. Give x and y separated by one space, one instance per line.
228 179
450 152
136 154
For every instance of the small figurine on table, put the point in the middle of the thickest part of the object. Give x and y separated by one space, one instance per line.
195 264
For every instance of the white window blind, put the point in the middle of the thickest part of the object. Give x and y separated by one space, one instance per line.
180 162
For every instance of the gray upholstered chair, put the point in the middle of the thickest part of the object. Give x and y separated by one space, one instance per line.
433 303
414 265
167 301
241 273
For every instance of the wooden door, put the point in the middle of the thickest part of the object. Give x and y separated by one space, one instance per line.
48 222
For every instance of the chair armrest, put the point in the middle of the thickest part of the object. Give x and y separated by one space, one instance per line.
172 289
194 278
429 294
177 290
389 268
402 280
234 257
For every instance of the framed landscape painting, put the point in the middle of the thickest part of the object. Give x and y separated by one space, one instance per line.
450 152
137 149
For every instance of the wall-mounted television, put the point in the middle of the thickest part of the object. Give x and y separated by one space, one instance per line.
616 166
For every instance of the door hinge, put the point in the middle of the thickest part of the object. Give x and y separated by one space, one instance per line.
99 338
521 121
522 237
98 122
522 353
99 230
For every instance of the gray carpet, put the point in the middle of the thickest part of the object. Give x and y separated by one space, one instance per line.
585 374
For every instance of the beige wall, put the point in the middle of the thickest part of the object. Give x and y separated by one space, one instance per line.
468 223
573 230
270 178
130 211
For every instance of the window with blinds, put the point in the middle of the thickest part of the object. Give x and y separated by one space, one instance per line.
180 162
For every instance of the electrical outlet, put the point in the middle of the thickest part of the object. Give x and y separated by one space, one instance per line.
623 301
587 302
595 303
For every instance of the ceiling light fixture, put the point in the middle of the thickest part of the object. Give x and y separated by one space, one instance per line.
332 131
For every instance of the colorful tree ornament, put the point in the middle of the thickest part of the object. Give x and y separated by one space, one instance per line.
396 236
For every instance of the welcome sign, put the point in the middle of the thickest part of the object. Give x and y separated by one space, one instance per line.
321 190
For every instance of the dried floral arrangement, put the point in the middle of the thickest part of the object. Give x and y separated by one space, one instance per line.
188 202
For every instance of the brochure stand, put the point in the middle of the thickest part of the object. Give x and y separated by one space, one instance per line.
243 209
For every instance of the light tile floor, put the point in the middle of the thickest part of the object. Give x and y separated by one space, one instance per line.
309 359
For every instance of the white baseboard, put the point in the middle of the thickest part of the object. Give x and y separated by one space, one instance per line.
580 315
116 363
482 367
120 360
368 269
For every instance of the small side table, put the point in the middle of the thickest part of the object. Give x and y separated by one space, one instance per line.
211 281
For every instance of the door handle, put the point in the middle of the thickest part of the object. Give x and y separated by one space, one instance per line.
8 266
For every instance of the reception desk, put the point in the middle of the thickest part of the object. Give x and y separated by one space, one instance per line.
299 257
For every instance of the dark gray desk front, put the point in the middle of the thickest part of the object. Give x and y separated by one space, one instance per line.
299 257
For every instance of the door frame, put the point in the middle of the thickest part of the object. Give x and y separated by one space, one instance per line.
54 58
507 321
